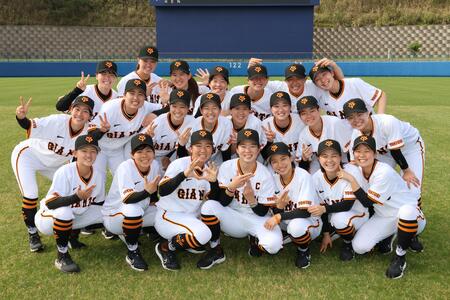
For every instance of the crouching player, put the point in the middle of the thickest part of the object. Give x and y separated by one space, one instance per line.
340 210
127 207
73 201
296 194
246 189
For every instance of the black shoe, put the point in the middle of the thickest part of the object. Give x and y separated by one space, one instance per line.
212 257
65 263
109 235
303 259
416 245
254 249
347 252
86 231
385 246
136 261
167 258
74 243
35 243
398 265
198 250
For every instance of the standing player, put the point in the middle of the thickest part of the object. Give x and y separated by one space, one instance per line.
241 209
128 207
73 200
395 206
187 182
49 145
337 91
106 75
318 128
147 62
339 207
296 195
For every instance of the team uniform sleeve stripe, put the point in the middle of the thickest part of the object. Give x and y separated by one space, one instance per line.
374 200
55 196
164 180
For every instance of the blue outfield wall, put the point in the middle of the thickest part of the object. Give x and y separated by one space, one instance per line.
374 68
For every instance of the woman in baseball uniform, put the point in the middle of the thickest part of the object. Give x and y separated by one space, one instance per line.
129 205
241 208
318 128
102 91
49 145
73 201
296 194
339 209
187 182
395 205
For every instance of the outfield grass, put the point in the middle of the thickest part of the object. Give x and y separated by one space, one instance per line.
422 101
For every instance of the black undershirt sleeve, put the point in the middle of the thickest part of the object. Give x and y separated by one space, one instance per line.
65 102
399 159
294 214
304 164
25 123
161 111
96 133
154 197
344 205
260 210
63 201
182 151
362 197
224 199
170 185
226 155
326 224
136 197
215 190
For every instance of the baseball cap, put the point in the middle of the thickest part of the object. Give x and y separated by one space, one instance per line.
84 100
279 96
318 69
329 144
240 99
106 66
136 83
86 140
201 135
295 70
278 148
181 65
182 96
257 71
365 140
219 70
210 97
307 102
355 105
149 52
139 140
247 134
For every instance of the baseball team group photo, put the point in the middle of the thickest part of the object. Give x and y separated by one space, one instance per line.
297 158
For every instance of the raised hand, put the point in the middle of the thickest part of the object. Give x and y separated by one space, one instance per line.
203 76
342 174
239 181
164 95
410 178
270 134
104 123
254 61
283 200
22 109
306 152
150 87
189 172
209 173
249 193
82 83
184 136
152 185
86 193
151 130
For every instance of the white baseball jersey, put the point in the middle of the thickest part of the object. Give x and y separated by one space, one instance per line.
387 189
300 190
122 127
92 92
310 89
255 124
52 140
351 88
261 106
66 182
291 136
154 96
340 190
390 133
224 104
332 128
189 195
262 183
221 135
127 180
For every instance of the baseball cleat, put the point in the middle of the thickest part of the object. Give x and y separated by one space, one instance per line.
397 267
303 259
109 235
385 246
167 258
85 231
65 263
136 261
74 243
347 252
213 257
416 245
254 249
35 242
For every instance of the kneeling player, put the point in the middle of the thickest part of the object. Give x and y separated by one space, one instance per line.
395 206
73 201
297 194
242 206
127 207
187 182
340 208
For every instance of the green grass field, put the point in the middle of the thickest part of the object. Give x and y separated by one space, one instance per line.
422 101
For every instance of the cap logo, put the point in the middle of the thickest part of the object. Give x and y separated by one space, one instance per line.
247 133
351 104
241 98
180 94
219 69
274 148
258 69
141 137
328 143
108 64
85 99
280 95
315 68
292 68
89 139
150 50
363 138
209 96
304 100
137 82
177 64
202 133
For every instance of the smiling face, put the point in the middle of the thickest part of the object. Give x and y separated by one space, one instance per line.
134 99
86 156
147 65
281 164
324 80
364 156
281 110
239 114
218 85
81 114
105 80
178 111
330 160
359 120
143 157
310 116
180 79
202 151
258 83
248 151
210 112
295 85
